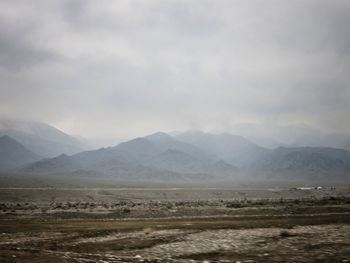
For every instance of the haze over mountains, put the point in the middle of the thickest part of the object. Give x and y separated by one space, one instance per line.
41 138
299 135
163 157
158 156
233 149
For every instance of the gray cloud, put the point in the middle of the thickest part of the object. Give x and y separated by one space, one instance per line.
125 68
17 50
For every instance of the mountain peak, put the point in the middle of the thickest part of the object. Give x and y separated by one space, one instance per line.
159 136
41 138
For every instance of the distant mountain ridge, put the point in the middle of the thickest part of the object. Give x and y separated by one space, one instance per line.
304 162
160 156
295 135
233 149
41 138
197 156
157 155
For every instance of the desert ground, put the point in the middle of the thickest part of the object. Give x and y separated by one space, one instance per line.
175 224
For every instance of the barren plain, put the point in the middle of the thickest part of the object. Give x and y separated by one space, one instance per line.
163 224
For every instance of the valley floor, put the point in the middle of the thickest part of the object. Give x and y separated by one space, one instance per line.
175 225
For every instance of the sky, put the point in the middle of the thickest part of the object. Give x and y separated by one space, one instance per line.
124 68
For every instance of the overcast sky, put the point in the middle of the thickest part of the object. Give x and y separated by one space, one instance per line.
125 68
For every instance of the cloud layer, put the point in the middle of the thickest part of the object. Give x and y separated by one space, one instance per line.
128 67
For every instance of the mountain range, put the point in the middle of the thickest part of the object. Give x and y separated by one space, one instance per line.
158 156
198 156
179 157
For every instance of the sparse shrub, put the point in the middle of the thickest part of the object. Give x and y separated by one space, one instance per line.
58 207
126 210
285 233
235 205
296 201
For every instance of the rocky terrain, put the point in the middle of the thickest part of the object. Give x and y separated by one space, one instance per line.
175 225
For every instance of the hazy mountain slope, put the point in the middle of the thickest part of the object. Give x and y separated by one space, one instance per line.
60 164
101 163
297 135
166 142
161 157
305 163
181 162
13 154
163 152
156 154
346 146
137 150
233 149
41 138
